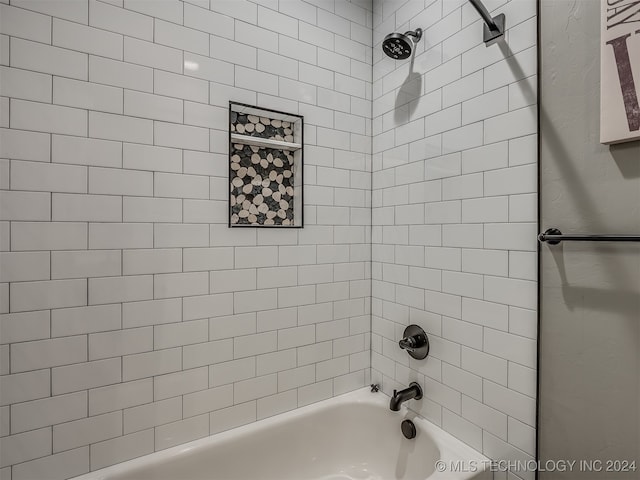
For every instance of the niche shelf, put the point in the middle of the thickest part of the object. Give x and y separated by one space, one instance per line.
265 167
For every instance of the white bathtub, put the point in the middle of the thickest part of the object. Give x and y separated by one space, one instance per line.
353 436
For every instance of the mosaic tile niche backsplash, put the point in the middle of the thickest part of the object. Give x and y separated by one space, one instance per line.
263 186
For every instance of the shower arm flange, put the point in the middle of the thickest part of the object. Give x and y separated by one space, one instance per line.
416 34
494 26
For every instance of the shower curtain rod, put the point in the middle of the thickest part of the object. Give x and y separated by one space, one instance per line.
553 236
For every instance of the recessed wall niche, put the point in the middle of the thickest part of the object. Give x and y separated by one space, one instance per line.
265 167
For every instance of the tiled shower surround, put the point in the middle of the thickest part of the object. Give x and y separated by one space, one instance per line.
133 319
454 219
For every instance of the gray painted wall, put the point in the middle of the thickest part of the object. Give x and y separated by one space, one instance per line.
590 293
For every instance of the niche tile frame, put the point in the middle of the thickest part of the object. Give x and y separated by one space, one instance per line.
263 190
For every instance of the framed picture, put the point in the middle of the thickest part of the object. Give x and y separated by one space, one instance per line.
619 71
265 167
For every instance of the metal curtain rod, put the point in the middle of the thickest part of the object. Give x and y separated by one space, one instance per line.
553 236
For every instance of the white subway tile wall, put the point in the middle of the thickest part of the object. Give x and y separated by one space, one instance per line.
132 318
454 219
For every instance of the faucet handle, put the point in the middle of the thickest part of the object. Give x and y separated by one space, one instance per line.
415 342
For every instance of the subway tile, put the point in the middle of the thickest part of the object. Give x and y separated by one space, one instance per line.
208 353
120 182
87 95
120 235
511 347
170 10
120 342
18 22
275 404
83 320
86 431
120 396
82 264
121 128
169 235
25 446
19 267
182 38
522 379
146 365
485 365
207 401
24 387
48 236
120 74
156 107
75 10
181 186
70 208
461 428
233 371
75 36
249 345
216 258
207 21
275 362
180 383
152 55
332 368
24 327
486 417
157 210
44 117
26 296
180 86
179 334
26 85
23 145
120 449
205 306
519 293
204 163
208 68
43 58
120 289
120 20
254 388
86 151
238 53
180 284
152 414
148 261
62 465
49 411
510 402
232 417
181 136
233 280
151 312
83 376
146 157
181 432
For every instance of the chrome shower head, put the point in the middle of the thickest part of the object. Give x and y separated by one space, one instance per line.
400 45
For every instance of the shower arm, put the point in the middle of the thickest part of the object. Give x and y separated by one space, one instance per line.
484 13
495 26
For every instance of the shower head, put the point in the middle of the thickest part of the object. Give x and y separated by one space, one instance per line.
400 45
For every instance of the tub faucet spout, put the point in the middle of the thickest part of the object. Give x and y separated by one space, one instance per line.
399 397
